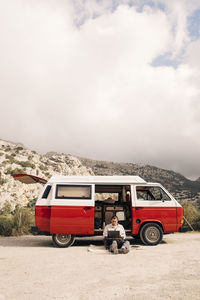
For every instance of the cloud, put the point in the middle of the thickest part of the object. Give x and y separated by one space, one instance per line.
77 77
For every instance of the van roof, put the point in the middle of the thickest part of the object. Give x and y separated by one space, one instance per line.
96 179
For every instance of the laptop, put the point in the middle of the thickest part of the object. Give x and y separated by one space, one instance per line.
113 234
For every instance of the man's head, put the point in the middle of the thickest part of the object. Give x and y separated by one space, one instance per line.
114 220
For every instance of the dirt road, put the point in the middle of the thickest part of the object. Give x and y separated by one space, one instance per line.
31 268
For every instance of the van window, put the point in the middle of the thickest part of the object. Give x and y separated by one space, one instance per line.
151 193
46 192
73 192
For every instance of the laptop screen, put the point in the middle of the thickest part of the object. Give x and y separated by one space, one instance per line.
113 233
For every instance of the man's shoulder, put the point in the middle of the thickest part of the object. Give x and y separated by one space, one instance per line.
120 226
108 225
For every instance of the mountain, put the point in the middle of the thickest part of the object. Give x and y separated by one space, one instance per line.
16 158
180 187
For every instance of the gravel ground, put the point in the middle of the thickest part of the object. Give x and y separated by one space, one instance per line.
31 268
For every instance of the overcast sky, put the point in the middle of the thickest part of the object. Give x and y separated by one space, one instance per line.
109 80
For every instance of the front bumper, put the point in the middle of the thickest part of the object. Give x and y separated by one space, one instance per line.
183 229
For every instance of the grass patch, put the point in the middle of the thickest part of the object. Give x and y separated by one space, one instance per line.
192 214
17 222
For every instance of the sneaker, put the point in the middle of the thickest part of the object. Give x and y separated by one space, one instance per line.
123 251
114 247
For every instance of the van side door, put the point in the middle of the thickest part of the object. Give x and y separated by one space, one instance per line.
72 209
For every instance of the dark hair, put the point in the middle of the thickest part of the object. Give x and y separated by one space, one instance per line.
114 217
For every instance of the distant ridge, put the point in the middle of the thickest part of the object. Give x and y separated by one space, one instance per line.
16 158
181 187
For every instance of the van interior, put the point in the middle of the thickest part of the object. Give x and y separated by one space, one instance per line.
112 200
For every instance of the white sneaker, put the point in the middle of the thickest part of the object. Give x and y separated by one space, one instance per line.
123 251
114 247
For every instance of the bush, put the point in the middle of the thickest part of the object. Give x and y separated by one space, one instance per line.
17 222
31 203
7 149
192 214
10 158
6 225
197 224
26 164
23 219
9 171
6 209
2 180
43 168
19 148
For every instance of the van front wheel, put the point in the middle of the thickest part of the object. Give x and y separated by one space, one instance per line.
151 234
63 240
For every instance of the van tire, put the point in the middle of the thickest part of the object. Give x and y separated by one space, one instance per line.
151 234
63 240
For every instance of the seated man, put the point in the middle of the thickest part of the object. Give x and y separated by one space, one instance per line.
116 245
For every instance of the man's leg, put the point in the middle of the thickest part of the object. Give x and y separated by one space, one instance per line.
120 243
114 248
107 243
125 247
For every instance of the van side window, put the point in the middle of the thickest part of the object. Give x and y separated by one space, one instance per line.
73 191
151 193
46 192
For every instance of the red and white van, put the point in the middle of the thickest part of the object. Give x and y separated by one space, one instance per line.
71 206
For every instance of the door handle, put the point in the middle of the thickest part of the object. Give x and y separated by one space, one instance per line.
139 207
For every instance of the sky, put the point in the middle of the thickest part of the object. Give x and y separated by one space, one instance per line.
106 79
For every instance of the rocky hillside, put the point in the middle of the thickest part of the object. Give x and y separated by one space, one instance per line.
15 158
181 187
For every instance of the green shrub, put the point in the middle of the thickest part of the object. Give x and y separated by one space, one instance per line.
26 164
2 180
43 168
6 225
31 203
11 171
19 148
10 159
6 209
7 149
23 219
192 215
17 222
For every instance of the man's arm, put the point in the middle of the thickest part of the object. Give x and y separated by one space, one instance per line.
105 232
122 232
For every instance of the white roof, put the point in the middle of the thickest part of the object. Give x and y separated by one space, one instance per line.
96 179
